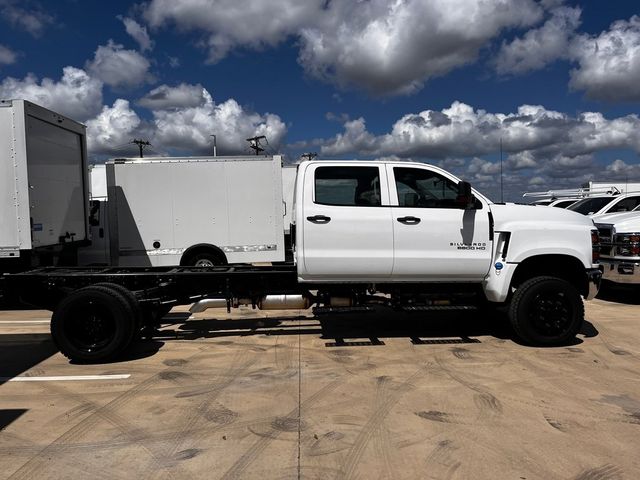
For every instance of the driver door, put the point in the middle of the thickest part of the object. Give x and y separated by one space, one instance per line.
435 238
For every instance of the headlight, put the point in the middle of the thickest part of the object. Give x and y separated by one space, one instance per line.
628 244
595 246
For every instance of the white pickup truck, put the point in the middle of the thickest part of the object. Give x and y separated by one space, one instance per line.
409 236
620 246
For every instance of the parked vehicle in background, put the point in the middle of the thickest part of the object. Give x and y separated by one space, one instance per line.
622 187
601 204
563 202
43 187
563 198
620 246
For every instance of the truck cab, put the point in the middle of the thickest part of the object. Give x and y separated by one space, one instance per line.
407 222
389 222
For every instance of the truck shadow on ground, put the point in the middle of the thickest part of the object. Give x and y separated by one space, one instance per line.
23 351
627 294
363 329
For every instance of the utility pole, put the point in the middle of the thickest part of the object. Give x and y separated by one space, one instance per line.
254 143
215 148
309 156
141 144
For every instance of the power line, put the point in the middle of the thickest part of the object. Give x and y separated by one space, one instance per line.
254 143
309 155
141 145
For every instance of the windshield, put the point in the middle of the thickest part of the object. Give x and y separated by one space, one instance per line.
590 205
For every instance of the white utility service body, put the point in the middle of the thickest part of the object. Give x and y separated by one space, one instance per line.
98 253
195 210
43 181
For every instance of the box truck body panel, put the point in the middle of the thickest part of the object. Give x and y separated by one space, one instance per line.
161 208
43 178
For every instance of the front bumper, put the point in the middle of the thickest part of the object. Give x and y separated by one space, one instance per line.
621 271
594 277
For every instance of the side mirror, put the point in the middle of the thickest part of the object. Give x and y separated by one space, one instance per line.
465 198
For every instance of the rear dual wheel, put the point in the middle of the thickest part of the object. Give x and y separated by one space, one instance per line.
95 323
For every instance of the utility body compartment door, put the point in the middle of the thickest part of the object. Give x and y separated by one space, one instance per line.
436 239
345 223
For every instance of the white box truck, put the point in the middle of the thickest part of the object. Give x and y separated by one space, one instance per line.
199 211
43 186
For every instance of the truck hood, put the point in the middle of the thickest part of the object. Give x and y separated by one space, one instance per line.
623 222
615 218
545 217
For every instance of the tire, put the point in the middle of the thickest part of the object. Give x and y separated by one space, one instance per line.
204 259
546 311
93 324
133 303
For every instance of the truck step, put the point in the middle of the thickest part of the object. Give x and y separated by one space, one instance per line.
438 308
341 310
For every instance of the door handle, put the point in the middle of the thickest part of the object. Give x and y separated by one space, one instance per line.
320 219
409 220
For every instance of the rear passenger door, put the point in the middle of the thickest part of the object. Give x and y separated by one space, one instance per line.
346 223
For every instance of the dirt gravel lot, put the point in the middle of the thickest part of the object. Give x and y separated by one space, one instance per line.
272 396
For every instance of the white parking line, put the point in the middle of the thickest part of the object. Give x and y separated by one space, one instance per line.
34 322
65 378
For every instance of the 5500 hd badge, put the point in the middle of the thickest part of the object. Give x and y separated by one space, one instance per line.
469 246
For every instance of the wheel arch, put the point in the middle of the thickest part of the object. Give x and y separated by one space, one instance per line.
565 267
202 248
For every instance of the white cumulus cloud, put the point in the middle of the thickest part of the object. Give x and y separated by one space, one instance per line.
76 94
462 131
26 15
385 47
235 23
621 170
540 146
7 56
609 63
395 47
111 128
119 68
138 33
540 46
190 128
181 96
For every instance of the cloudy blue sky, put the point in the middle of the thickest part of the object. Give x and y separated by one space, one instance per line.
442 81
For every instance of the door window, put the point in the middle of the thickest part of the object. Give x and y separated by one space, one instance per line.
626 205
348 186
418 187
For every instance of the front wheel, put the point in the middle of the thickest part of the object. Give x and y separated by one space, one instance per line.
546 311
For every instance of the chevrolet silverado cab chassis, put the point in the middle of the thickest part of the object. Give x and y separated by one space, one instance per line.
409 236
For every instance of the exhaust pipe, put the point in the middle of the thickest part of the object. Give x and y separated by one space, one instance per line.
284 302
267 302
202 305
